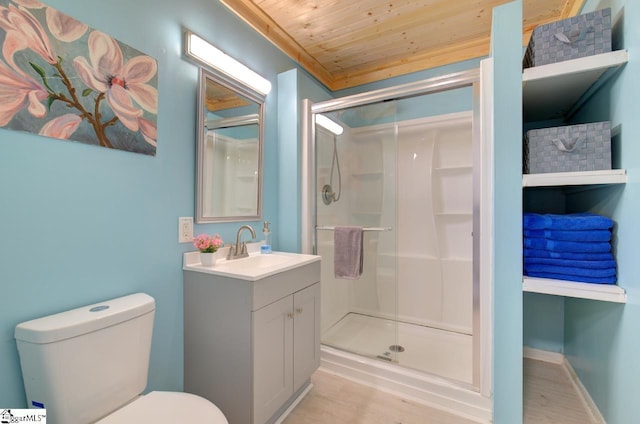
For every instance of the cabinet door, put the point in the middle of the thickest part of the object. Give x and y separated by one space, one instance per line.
272 358
306 334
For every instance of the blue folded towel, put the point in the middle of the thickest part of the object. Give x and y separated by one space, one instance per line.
573 221
566 246
570 235
582 272
576 278
570 263
578 256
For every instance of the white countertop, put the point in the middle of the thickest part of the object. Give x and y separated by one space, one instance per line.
252 268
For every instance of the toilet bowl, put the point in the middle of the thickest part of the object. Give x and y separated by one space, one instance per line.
167 407
90 365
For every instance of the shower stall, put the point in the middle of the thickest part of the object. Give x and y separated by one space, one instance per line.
403 164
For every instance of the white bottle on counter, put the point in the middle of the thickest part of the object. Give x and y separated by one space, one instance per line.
266 247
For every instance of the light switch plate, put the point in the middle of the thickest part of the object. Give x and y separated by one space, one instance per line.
185 229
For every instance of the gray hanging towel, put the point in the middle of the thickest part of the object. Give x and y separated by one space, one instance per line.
347 254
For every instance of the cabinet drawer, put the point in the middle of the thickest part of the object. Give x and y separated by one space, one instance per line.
275 287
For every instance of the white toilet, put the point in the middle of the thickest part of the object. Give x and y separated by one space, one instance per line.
91 364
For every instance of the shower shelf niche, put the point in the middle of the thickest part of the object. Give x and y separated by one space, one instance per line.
454 168
453 214
367 175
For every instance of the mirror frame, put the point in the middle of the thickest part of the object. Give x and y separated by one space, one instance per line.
244 91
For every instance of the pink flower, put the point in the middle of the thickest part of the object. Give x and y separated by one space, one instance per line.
207 244
61 127
17 91
23 32
64 27
149 131
121 81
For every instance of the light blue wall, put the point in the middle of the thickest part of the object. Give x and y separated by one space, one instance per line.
506 51
293 87
81 224
543 322
602 339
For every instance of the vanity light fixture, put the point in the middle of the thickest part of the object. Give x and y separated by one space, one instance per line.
329 124
203 52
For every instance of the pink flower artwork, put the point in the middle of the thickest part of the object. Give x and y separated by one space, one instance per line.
61 79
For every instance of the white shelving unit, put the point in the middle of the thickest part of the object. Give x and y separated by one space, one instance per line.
557 179
604 292
558 90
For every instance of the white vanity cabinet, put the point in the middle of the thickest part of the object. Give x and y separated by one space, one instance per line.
251 345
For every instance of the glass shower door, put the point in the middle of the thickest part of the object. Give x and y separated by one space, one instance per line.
356 186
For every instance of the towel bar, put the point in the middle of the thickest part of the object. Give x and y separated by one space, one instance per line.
363 229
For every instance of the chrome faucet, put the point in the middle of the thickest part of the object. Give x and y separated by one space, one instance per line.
240 249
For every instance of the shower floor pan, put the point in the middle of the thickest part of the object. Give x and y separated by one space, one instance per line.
443 353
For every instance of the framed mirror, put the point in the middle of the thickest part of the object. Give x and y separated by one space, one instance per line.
229 151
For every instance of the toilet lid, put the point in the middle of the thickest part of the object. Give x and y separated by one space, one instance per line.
167 408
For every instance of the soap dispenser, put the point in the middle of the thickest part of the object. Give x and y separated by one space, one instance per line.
266 247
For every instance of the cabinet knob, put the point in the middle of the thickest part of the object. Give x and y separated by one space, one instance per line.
299 310
290 315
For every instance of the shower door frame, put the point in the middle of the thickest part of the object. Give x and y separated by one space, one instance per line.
482 190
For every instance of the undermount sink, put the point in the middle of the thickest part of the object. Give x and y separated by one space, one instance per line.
260 261
254 267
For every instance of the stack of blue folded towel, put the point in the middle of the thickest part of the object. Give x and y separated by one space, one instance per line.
573 247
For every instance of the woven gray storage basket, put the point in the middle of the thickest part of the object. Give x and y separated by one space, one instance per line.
580 36
584 147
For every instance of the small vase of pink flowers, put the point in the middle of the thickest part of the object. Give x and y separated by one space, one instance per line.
208 246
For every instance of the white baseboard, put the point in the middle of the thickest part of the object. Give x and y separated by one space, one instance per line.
583 393
543 355
560 359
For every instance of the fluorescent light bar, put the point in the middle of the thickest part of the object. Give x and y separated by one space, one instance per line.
329 125
202 51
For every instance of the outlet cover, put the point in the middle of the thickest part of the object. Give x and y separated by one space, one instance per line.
185 229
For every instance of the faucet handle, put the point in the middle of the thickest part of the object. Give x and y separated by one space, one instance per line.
231 253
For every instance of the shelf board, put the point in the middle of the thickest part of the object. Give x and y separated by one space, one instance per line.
559 89
453 214
367 175
559 179
603 292
454 168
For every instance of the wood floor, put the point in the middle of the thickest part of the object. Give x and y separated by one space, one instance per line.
549 398
336 400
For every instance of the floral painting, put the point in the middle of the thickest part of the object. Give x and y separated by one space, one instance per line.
61 79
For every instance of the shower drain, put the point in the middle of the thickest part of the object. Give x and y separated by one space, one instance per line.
396 348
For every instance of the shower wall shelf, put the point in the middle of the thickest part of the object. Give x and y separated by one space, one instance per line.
363 229
453 168
603 292
367 175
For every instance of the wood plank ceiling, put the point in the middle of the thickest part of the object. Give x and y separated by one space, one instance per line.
345 43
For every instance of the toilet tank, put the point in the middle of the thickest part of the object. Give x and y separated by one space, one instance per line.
85 363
